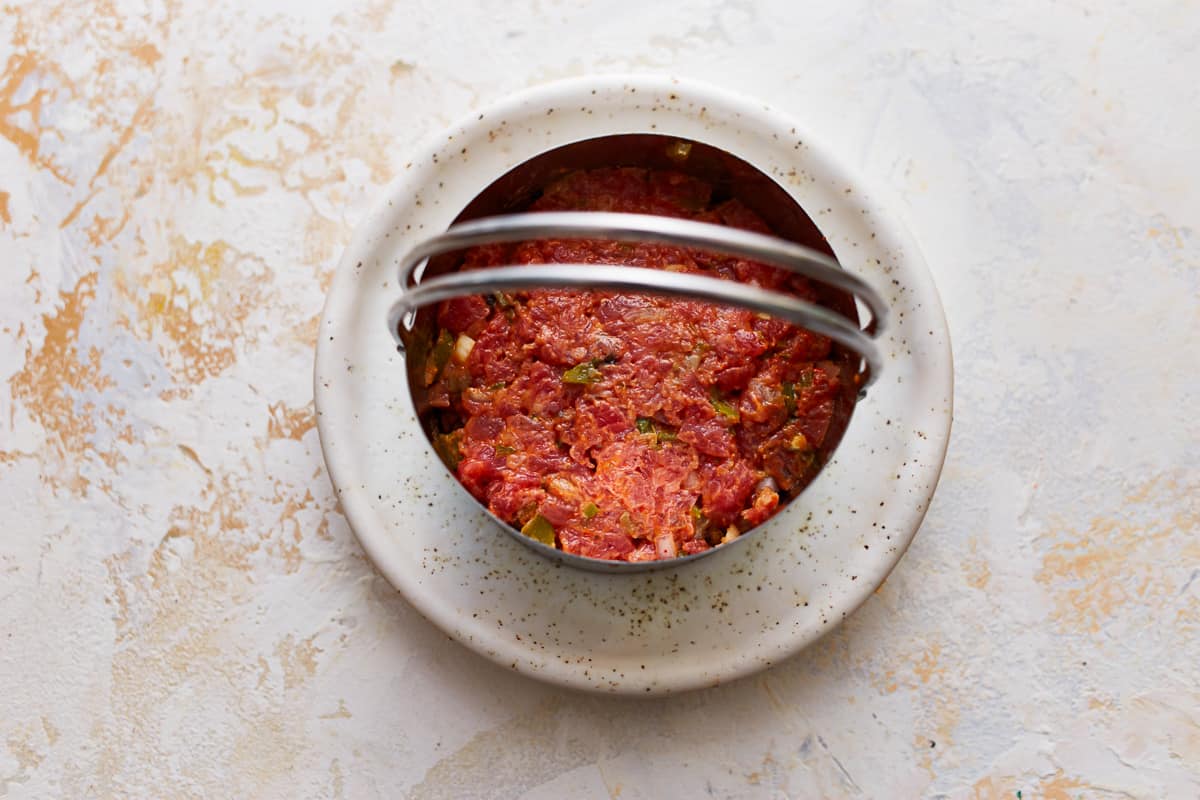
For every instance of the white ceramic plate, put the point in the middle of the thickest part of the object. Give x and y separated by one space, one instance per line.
739 610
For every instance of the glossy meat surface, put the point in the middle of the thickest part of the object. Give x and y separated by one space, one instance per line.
622 426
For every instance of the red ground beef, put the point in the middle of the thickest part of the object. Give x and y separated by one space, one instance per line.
626 426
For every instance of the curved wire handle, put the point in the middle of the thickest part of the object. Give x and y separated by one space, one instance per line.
641 228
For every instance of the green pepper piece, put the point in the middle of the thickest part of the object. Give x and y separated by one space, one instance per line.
590 510
504 450
456 378
582 373
806 377
647 425
539 528
723 407
789 397
438 356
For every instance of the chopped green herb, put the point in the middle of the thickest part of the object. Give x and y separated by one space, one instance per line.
647 425
498 385
723 407
446 446
504 450
789 397
590 510
806 377
506 304
539 528
582 373
439 355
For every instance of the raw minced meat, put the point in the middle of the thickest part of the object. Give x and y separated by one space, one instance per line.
622 426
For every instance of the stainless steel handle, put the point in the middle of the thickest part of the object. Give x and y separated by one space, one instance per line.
647 228
641 228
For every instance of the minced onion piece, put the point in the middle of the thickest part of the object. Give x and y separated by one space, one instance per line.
564 489
664 546
463 347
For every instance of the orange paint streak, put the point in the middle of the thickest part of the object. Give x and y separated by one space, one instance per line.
1057 787
298 660
60 368
1176 237
978 574
290 423
20 68
102 229
927 667
146 53
1115 567
232 285
141 118
67 220
976 569
4 215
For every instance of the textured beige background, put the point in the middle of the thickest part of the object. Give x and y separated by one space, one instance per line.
183 611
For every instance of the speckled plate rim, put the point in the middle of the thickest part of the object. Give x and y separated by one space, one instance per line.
648 657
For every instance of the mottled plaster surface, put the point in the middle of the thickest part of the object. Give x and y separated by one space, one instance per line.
183 610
